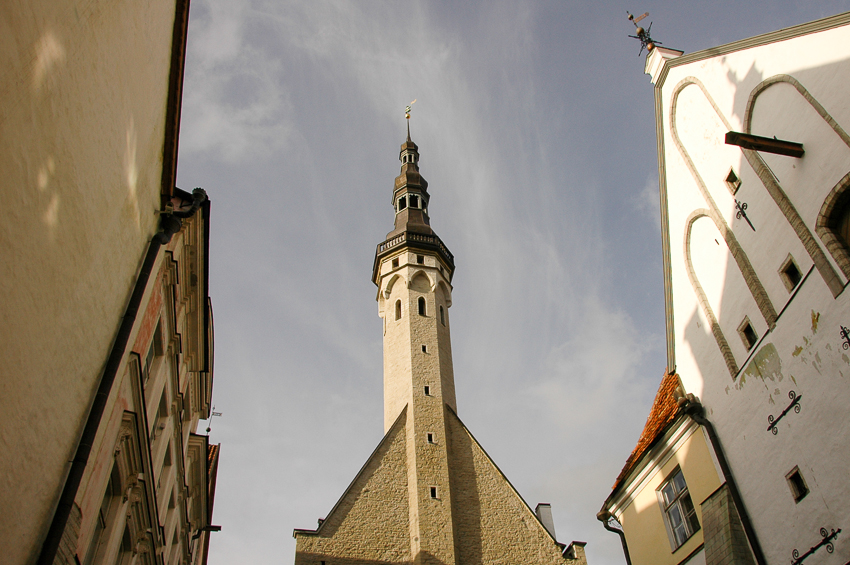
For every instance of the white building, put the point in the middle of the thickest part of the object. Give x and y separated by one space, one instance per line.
756 263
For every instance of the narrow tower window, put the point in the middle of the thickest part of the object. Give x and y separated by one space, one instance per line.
398 309
424 349
433 492
427 390
442 316
748 334
790 274
414 201
395 263
430 437
732 181
420 259
421 306
402 203
797 485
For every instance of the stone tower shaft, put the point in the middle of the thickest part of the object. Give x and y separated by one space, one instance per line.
413 270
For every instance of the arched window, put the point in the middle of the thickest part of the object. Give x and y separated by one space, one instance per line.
840 221
442 316
398 309
421 306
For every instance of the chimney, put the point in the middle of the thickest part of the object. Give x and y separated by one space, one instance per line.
544 514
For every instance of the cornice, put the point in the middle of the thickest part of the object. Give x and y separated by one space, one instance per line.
756 41
654 458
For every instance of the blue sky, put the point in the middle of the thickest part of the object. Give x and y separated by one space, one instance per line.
536 132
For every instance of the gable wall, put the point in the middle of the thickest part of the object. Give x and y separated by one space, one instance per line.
370 524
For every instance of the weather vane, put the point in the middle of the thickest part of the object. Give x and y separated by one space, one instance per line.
209 421
646 42
407 109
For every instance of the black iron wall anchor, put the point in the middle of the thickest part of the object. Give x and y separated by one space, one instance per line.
845 335
742 212
795 404
826 541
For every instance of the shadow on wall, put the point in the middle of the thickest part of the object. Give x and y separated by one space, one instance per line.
466 504
737 272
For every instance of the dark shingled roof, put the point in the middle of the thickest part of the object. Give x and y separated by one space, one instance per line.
664 411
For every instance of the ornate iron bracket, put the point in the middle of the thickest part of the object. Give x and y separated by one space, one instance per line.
826 541
845 335
795 404
742 212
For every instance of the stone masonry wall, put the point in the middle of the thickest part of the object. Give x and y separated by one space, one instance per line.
723 534
369 525
492 523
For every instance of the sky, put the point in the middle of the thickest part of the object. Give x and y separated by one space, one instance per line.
535 126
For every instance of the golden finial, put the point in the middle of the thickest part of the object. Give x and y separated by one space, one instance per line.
407 109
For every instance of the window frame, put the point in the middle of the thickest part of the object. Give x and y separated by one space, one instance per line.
678 503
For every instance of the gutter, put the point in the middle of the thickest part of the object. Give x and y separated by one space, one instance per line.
604 516
693 408
169 225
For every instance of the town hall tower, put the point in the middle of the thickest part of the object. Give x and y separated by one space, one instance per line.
429 494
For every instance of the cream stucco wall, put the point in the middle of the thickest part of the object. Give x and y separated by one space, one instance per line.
642 517
81 149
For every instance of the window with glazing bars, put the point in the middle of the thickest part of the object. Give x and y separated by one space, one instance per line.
678 509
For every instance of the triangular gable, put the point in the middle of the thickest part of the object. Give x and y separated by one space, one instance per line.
492 522
370 520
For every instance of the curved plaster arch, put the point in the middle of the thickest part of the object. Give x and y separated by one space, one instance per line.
779 196
716 330
765 306
389 288
424 273
775 79
830 239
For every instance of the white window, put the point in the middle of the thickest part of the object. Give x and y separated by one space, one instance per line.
679 513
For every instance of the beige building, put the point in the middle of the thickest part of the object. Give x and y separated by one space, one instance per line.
107 345
672 503
429 493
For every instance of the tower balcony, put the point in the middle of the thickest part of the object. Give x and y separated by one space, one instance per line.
412 240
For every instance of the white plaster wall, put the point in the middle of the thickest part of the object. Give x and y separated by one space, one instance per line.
84 97
808 356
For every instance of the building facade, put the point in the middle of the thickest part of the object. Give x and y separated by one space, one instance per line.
107 344
429 493
754 171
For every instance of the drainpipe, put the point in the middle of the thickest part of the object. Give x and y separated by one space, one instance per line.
603 516
170 224
696 411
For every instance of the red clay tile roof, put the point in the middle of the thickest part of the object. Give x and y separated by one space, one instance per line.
663 412
212 455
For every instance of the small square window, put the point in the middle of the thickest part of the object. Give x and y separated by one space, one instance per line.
395 263
420 259
679 513
748 334
790 274
732 181
797 484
